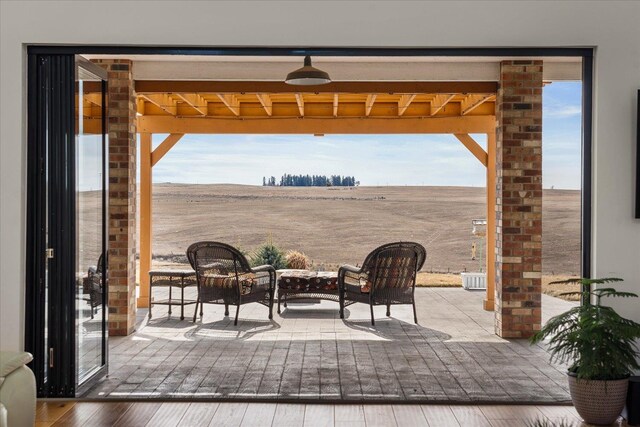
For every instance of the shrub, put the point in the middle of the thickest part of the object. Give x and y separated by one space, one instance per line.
269 253
297 260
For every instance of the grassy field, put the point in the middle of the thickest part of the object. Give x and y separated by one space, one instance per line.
341 225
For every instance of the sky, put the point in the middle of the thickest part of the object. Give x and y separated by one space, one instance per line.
434 160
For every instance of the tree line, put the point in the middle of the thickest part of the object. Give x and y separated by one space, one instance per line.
288 180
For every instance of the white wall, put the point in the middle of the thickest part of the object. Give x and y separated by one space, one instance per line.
610 26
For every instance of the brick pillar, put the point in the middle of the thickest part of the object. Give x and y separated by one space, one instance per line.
122 196
519 199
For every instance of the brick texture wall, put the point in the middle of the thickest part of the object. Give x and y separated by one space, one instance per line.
122 196
519 199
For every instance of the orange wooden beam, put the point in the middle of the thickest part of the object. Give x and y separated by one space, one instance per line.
210 86
295 125
474 147
145 218
164 147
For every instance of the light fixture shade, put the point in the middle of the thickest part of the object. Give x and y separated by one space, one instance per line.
307 75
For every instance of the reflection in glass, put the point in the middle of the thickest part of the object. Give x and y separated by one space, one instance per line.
89 217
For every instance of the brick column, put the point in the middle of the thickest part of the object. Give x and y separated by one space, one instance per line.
519 199
122 196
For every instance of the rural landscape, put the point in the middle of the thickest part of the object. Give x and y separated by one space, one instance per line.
338 225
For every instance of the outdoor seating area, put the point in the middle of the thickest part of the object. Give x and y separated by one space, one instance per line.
307 353
223 276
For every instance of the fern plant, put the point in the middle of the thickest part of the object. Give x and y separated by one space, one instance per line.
596 342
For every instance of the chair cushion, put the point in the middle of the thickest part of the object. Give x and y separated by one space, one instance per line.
247 281
308 281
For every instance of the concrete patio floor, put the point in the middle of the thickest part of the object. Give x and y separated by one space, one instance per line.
308 353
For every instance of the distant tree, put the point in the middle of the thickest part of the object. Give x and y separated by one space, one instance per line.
288 180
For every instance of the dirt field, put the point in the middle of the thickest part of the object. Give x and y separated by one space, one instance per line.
341 225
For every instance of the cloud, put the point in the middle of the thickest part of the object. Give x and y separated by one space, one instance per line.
561 111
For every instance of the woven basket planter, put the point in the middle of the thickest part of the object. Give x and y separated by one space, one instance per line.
598 402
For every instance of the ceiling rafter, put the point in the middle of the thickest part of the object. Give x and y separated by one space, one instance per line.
404 102
93 98
164 102
194 101
231 102
439 101
266 102
335 105
300 102
471 102
368 105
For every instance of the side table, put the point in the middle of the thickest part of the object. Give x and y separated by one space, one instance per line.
171 278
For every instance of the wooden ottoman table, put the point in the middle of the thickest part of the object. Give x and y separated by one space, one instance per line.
305 284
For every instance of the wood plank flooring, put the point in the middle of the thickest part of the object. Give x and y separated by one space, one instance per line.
308 354
152 414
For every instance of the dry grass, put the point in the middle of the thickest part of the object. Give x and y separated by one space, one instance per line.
336 226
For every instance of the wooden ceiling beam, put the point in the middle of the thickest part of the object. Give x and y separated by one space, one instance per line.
163 101
209 86
231 102
470 102
335 105
164 147
368 105
300 102
473 147
194 101
266 102
439 102
404 102
327 125
93 98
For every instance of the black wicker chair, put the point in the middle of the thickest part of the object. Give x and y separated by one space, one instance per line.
225 277
92 285
387 277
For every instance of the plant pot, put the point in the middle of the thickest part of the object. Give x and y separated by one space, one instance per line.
597 401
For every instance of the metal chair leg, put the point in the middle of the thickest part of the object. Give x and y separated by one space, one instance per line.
388 310
237 312
271 305
373 321
226 309
195 311
279 298
415 315
341 305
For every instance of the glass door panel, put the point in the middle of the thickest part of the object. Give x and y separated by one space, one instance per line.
90 221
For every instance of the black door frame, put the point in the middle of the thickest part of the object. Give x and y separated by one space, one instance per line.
585 53
51 222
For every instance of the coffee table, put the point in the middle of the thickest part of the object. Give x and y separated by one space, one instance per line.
305 284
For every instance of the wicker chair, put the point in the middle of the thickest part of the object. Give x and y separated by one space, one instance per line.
92 285
225 277
387 276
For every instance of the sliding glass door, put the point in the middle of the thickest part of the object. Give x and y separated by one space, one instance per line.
67 225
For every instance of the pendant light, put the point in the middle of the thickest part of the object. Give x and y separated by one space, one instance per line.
307 75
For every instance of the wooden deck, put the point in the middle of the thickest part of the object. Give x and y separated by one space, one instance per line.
308 354
200 414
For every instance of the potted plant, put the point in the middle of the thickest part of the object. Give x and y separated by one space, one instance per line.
598 344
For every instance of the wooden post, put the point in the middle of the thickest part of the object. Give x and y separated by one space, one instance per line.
145 217
489 301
